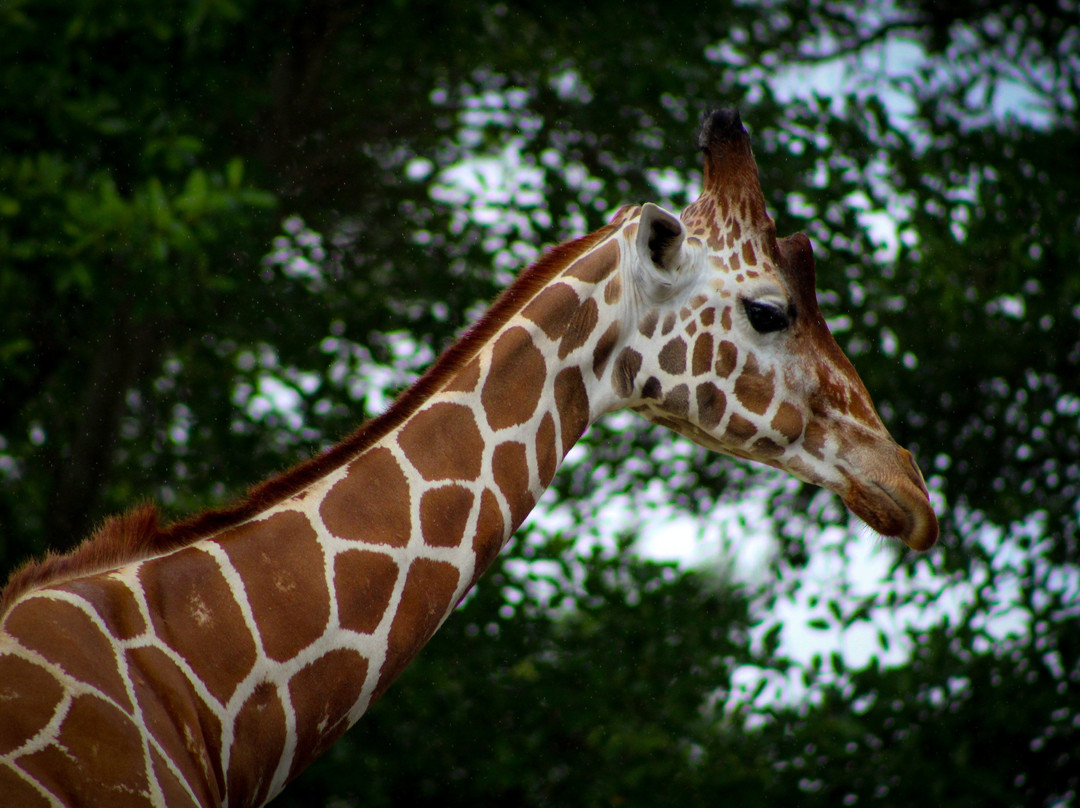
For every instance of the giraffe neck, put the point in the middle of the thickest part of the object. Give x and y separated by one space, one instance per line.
234 661
393 539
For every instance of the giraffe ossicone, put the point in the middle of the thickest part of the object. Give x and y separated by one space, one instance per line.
209 662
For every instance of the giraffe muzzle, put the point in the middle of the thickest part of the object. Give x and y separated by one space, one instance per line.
894 501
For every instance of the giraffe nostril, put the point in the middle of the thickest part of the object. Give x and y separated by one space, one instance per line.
907 461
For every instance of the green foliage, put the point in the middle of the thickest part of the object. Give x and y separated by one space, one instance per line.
955 727
208 209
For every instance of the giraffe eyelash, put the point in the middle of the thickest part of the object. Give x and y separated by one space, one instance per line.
767 318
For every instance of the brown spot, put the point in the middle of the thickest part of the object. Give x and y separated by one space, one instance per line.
580 328
604 346
677 402
553 308
515 380
711 403
767 447
697 301
726 358
734 264
511 471
179 720
748 254
490 533
547 453
691 329
627 365
669 323
647 326
259 740
814 439
113 601
652 389
703 354
428 596
195 613
573 402
363 584
725 318
281 564
740 428
98 752
861 409
444 511
594 266
30 695
613 291
684 313
442 442
753 388
172 789
322 693
18 791
708 317
788 422
65 635
673 357
466 378
371 503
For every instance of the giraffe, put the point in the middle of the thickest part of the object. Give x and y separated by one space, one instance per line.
209 661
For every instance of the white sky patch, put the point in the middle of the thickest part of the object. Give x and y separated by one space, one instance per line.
899 58
735 535
481 189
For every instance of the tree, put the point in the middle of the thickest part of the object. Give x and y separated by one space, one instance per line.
229 231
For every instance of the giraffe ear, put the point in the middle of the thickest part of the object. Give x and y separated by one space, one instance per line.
659 237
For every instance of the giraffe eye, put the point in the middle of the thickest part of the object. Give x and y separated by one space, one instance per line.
765 317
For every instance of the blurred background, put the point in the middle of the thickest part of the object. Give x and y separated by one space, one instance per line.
231 230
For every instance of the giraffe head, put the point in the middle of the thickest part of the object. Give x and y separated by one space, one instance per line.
728 347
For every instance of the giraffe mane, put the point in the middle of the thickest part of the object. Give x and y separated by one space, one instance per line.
136 534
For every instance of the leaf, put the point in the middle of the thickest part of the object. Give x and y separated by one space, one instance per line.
834 608
884 640
771 640
234 172
157 203
9 206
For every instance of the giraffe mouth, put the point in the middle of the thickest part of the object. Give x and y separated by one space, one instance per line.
890 497
895 503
